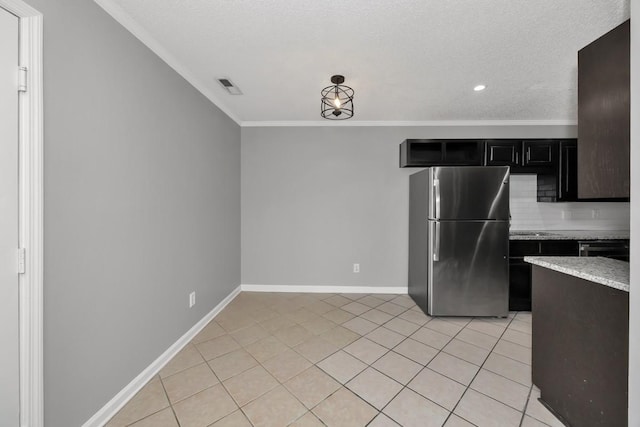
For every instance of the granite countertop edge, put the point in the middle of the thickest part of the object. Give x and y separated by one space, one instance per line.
605 271
570 235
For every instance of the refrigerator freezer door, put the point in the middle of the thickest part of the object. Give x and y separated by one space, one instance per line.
469 193
468 268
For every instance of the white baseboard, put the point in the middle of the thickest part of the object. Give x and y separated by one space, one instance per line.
107 412
327 289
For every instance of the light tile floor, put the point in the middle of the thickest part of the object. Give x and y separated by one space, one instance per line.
290 359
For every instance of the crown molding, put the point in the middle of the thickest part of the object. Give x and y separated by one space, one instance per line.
131 25
426 123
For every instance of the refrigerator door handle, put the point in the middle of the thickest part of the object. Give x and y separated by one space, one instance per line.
436 246
436 191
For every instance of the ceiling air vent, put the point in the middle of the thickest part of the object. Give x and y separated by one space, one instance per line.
229 86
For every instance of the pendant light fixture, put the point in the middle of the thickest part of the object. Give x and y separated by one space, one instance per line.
337 100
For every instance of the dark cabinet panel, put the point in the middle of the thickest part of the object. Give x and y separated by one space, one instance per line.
580 359
604 116
503 153
539 153
560 182
559 247
420 153
568 171
466 153
522 248
520 271
519 285
438 152
554 161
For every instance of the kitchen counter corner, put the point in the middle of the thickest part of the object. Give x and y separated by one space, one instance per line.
605 271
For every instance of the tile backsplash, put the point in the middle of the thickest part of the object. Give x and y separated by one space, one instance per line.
528 214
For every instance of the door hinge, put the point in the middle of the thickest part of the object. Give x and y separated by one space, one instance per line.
22 79
22 259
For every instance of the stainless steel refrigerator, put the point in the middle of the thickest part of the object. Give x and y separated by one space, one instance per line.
459 240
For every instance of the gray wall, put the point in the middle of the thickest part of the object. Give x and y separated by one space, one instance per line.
315 200
142 206
634 303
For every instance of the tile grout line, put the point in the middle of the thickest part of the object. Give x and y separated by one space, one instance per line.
307 410
286 313
466 386
379 411
405 386
175 416
526 405
441 350
474 377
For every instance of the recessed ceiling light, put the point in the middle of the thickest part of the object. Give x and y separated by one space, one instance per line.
479 88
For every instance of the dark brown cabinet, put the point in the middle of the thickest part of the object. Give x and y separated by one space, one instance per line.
539 153
554 161
523 156
604 116
580 348
503 153
520 271
568 171
440 152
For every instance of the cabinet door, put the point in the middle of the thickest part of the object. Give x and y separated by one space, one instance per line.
604 116
522 248
538 153
503 153
519 285
559 247
568 172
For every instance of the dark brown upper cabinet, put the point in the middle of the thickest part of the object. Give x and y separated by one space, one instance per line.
522 155
440 152
503 153
539 153
604 116
554 161
568 171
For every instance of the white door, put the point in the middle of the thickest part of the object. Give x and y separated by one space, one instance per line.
9 335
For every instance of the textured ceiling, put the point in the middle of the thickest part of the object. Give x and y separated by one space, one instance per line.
408 60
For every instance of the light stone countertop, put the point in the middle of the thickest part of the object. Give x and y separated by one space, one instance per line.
605 271
569 235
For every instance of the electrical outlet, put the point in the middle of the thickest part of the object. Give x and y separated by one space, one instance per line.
356 268
192 299
595 213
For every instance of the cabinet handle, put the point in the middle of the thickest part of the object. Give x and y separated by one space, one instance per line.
517 158
566 181
562 178
528 154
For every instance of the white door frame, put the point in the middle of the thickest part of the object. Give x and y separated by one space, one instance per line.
31 217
